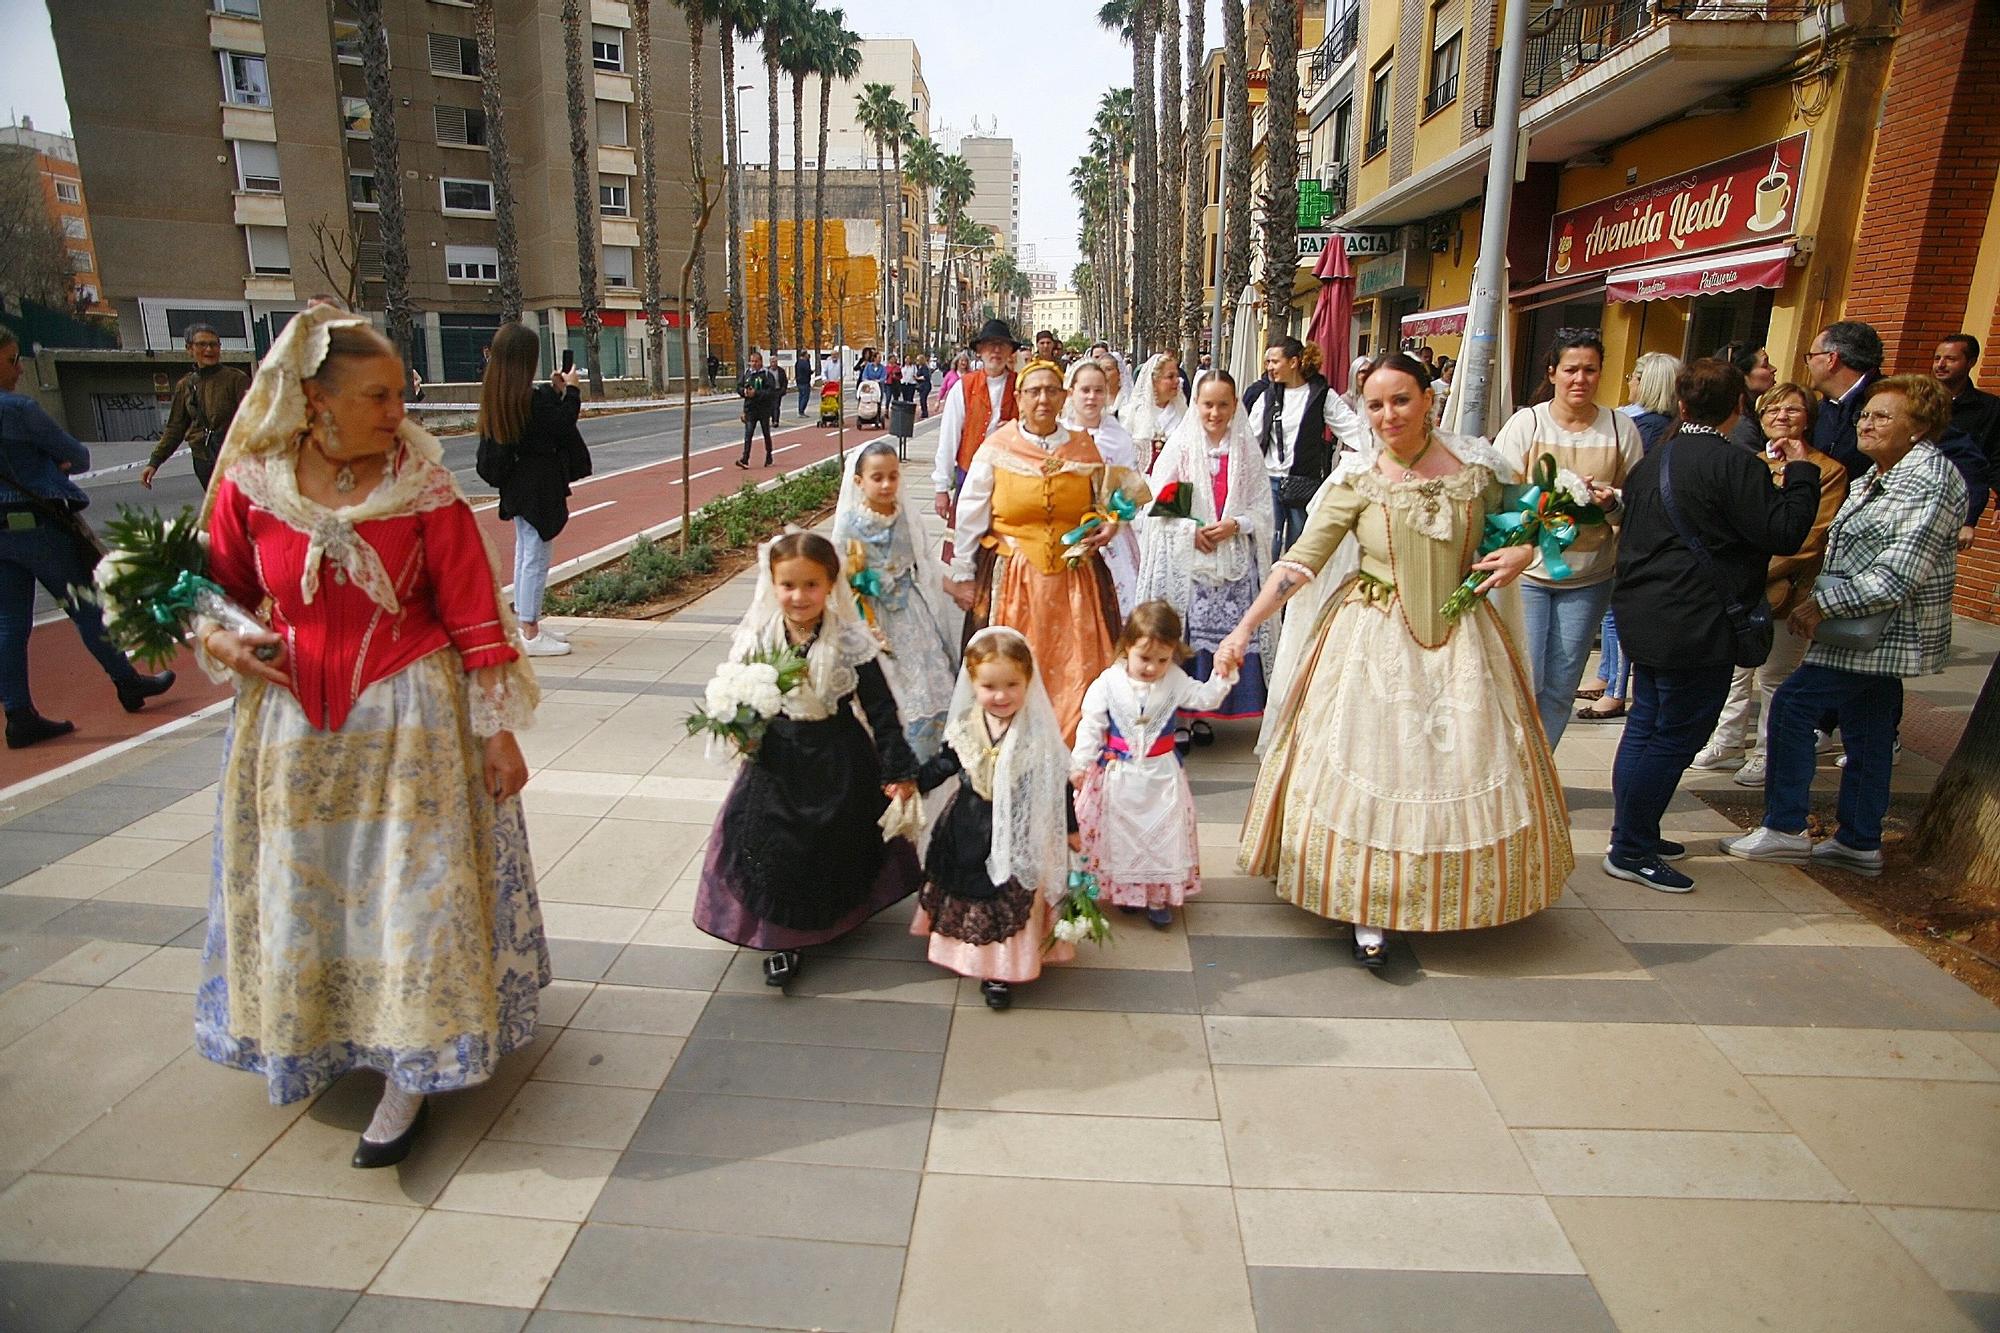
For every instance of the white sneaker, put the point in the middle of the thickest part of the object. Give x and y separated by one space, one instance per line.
1824 742
1895 756
545 645
1767 844
551 632
1718 757
1752 772
1834 852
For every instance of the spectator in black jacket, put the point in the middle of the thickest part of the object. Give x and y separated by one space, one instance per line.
1672 618
530 451
1290 410
763 395
1843 361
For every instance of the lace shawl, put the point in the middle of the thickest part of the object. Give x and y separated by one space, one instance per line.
1029 770
834 657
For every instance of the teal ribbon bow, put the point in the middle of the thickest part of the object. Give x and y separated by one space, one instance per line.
178 604
866 582
1118 505
1082 884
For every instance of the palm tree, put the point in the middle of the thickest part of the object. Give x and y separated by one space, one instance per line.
1281 169
580 182
877 110
840 58
388 175
1111 140
955 191
799 56
734 19
1133 19
1195 169
926 160
649 187
1236 132
777 16
505 239
901 127
1173 150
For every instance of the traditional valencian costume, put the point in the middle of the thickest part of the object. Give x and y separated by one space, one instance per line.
1145 420
1114 445
1021 495
1211 590
373 907
998 858
900 584
797 856
1406 785
1135 807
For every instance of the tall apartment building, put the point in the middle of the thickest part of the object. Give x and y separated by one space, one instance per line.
996 181
895 61
227 147
52 159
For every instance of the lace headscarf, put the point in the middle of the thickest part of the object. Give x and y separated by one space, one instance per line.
258 456
1030 836
1114 442
832 660
1141 414
1170 565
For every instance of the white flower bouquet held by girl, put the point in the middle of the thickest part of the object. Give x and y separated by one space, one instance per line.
743 697
1077 916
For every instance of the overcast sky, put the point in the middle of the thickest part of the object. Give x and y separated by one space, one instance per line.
1034 75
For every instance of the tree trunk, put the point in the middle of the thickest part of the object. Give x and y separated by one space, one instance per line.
1958 833
1145 179
698 173
899 289
732 174
1173 150
1236 188
882 188
819 217
649 186
771 186
580 183
505 239
1195 172
704 209
798 211
1281 171
387 160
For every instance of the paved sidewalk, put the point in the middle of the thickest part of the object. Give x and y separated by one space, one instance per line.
1743 1108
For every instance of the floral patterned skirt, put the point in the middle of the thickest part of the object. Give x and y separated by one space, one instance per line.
371 907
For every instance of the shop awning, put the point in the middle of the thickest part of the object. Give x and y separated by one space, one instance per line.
1435 323
1702 275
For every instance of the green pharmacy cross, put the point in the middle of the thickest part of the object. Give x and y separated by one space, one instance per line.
1315 206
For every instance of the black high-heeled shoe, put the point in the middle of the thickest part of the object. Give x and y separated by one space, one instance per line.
368 1156
999 995
782 966
1371 956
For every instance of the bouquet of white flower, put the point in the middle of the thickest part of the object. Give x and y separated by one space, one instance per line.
743 697
1078 917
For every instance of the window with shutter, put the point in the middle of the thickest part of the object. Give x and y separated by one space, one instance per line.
461 126
269 251
257 167
454 57
607 49
471 263
355 118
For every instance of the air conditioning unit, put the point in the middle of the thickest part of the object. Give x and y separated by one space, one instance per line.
1329 175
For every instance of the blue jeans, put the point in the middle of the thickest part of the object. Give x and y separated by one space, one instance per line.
1615 669
805 391
1561 623
531 570
1289 521
48 557
1867 709
1671 714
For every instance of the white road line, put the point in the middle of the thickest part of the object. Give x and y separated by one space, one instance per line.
591 509
675 481
672 461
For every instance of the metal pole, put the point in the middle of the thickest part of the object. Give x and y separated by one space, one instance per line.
1221 222
1474 377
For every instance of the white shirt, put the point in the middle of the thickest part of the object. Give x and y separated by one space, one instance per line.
1291 412
944 471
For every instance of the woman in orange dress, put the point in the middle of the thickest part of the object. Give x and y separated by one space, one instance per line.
1032 481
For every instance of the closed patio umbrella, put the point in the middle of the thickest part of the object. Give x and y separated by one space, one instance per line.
1246 353
1333 313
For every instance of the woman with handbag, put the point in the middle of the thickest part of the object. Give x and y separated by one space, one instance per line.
1297 423
1879 611
43 539
1702 521
530 451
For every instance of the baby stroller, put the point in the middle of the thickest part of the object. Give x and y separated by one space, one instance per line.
829 403
868 404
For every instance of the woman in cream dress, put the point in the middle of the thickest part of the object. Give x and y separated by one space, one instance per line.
1406 785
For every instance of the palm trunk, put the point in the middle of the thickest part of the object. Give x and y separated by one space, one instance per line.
1173 148
1195 173
798 211
698 171
505 239
771 187
882 188
1236 188
897 292
732 172
1281 171
819 217
1145 205
387 162
649 187
580 182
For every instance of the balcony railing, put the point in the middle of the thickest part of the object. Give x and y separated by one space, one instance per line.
1441 96
1342 35
1378 139
1563 42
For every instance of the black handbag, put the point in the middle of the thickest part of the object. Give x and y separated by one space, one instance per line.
1749 623
64 518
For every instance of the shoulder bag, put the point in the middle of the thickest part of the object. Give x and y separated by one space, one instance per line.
64 517
1749 623
1857 633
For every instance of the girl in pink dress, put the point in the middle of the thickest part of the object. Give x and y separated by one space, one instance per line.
999 853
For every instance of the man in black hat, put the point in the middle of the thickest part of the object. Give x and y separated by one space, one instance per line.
976 405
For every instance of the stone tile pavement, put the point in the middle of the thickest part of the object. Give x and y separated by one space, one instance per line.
1744 1108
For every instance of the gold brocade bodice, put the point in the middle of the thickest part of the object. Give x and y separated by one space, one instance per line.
1032 512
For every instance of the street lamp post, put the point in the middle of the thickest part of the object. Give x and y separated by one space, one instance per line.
1474 376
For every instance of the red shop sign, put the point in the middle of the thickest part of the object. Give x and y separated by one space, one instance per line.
1751 197
615 319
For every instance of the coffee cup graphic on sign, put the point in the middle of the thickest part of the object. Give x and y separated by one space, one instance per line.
1774 192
